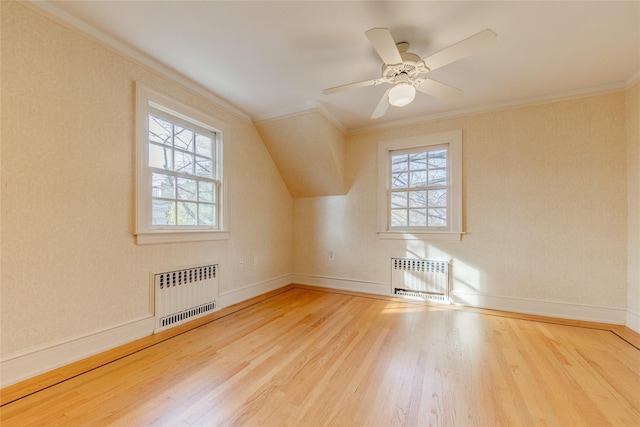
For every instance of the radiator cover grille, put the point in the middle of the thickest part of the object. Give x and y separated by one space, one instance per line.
421 278
184 295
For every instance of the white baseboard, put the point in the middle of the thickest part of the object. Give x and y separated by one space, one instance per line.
247 292
517 305
343 284
21 366
633 321
540 307
24 365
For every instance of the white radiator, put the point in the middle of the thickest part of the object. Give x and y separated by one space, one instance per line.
184 295
421 278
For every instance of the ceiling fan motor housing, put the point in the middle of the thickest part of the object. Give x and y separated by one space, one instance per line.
411 66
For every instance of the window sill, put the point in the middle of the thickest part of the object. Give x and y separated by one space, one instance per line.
180 236
430 235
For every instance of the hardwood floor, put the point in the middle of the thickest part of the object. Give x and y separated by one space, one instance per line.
316 357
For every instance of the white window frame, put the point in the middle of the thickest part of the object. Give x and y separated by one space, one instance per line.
453 141
148 100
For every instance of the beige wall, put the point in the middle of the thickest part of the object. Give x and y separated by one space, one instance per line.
70 265
633 181
545 208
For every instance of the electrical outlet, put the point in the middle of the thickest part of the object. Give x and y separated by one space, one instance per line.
255 260
332 255
241 262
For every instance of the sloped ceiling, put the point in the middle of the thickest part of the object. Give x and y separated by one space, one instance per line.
309 151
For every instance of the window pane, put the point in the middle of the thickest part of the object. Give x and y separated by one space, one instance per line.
399 162
184 162
438 177
418 199
438 217
417 217
187 213
162 186
205 191
204 145
187 189
163 212
160 130
400 180
204 167
438 159
205 214
160 157
183 138
182 174
399 199
437 197
398 218
418 179
418 161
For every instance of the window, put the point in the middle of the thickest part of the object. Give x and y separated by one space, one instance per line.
180 180
420 180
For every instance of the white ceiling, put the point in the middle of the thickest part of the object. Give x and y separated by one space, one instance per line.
273 58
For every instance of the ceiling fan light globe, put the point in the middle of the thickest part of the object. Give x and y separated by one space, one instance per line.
402 94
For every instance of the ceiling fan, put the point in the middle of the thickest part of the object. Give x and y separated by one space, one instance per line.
406 71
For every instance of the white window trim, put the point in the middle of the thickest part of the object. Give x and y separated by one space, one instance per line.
145 233
454 140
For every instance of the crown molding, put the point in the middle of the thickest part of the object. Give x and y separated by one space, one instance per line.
525 102
132 53
315 109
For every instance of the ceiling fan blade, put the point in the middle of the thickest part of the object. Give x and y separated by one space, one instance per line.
383 43
383 104
438 90
460 50
355 85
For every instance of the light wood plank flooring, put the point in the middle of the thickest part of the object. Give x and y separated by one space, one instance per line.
309 357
